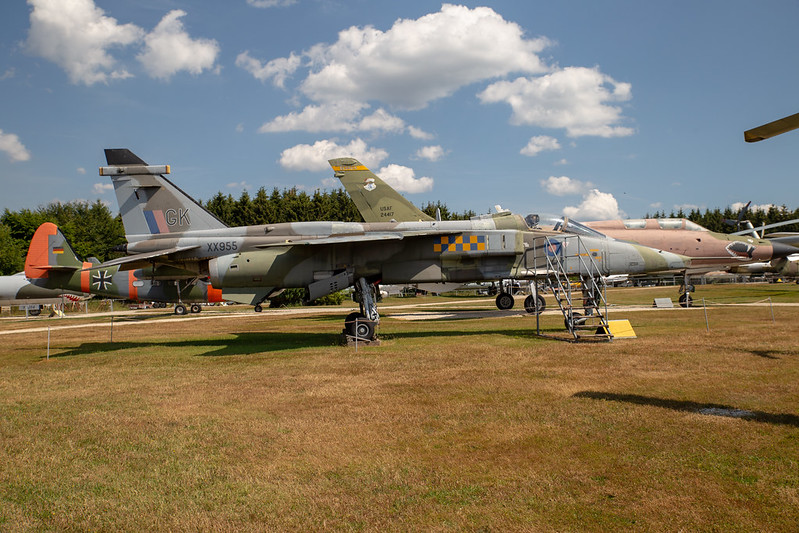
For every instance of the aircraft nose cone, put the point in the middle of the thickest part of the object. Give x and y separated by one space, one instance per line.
676 261
779 250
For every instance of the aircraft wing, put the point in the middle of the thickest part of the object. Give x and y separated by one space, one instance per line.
371 237
367 237
771 129
767 226
127 262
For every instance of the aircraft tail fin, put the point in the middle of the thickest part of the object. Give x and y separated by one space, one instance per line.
374 198
148 202
49 251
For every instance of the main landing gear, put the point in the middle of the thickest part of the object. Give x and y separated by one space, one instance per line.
685 292
362 325
180 309
504 299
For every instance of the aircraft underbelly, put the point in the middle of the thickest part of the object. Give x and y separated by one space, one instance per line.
411 272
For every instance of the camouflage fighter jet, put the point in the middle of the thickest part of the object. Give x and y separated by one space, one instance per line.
707 249
167 230
681 236
52 264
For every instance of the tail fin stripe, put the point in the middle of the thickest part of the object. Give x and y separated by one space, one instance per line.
156 222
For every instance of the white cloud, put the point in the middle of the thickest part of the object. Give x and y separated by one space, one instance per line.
314 157
80 170
381 120
278 69
403 179
417 133
596 205
539 144
238 185
168 49
344 116
8 74
14 149
102 188
564 185
271 3
416 61
327 117
433 153
575 98
76 35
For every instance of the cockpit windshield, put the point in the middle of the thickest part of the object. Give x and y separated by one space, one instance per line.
568 225
693 226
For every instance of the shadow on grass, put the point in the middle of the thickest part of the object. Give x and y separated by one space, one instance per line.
515 333
712 409
771 354
240 344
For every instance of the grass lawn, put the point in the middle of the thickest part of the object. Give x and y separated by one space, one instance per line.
263 422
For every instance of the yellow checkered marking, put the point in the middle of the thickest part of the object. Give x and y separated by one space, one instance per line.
469 243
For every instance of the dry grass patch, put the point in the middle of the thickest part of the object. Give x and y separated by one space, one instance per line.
264 423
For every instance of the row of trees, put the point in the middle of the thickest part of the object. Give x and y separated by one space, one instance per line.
93 231
291 205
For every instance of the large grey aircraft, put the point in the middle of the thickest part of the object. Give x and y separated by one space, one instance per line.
168 231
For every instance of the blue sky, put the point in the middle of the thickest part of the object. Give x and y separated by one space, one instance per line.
591 109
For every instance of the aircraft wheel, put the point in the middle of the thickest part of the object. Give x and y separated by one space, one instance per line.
685 300
536 308
196 308
258 308
35 312
364 329
504 301
577 320
180 309
359 326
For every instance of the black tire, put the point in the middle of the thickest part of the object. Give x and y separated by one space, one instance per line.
196 308
535 309
35 312
258 308
359 326
364 329
504 301
686 300
180 309
577 320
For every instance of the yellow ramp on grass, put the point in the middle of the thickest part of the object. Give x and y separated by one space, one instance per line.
621 329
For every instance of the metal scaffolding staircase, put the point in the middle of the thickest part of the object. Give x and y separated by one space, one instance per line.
575 279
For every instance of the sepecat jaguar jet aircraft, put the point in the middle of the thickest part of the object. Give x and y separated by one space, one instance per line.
172 234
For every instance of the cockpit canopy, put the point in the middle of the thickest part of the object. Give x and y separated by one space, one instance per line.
662 223
564 225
